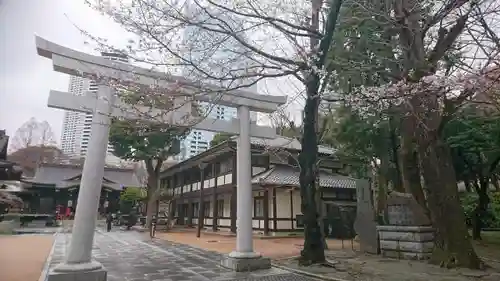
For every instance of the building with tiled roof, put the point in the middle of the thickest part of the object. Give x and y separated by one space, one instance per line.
275 184
59 184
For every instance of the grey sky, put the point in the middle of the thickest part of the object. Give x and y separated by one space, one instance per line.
26 78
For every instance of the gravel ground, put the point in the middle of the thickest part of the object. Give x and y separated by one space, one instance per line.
22 257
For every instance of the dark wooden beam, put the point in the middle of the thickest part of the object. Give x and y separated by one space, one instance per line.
266 211
275 222
201 209
190 212
214 200
291 208
233 196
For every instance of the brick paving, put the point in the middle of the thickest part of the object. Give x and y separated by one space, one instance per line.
129 256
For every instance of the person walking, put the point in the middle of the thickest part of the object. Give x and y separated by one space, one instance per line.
109 221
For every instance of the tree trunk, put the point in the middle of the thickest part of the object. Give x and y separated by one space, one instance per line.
382 190
494 181
153 170
480 210
313 251
321 216
467 184
452 244
410 170
395 170
152 195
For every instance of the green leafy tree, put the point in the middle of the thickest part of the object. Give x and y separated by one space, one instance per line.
152 143
474 139
424 32
367 142
425 39
129 199
220 138
370 137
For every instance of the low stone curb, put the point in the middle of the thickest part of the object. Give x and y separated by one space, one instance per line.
308 274
45 269
139 228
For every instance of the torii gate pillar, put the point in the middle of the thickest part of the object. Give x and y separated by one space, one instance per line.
78 264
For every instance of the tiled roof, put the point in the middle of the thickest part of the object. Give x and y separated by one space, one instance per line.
286 175
286 143
64 176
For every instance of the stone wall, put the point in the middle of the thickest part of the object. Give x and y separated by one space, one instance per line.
406 242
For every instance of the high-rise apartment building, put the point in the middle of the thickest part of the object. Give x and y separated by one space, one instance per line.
76 125
228 55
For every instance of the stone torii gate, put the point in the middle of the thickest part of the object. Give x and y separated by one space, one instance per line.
78 263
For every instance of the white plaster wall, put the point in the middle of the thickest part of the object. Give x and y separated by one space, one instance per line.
208 183
282 203
224 222
283 208
296 202
227 204
284 224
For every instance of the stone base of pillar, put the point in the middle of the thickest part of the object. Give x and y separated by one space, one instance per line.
92 271
94 275
241 262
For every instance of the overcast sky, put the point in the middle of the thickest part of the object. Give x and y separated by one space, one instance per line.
26 78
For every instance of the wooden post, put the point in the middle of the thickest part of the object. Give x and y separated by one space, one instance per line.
215 221
190 202
266 211
275 210
234 193
291 208
201 209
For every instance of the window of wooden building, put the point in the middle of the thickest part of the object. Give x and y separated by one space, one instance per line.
209 172
206 209
196 209
258 207
225 167
220 208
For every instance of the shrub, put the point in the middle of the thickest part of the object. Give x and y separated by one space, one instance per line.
129 198
492 217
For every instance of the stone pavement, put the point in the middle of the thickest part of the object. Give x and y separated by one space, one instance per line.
128 256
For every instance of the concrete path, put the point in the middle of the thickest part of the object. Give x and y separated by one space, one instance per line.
129 256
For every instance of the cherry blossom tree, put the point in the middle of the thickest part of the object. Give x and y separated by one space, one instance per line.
423 76
422 62
234 45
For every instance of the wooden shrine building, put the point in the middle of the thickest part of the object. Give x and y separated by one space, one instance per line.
58 185
275 184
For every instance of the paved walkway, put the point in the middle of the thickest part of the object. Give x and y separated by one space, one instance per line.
128 256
